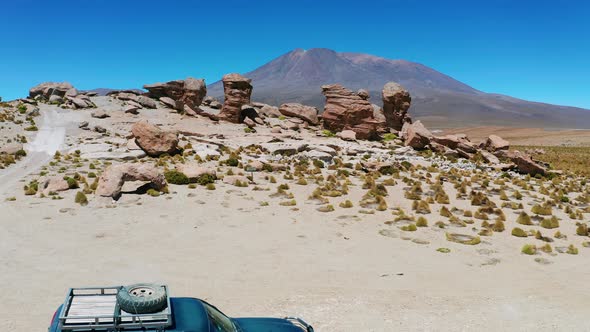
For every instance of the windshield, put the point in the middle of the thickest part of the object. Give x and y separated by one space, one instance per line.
219 321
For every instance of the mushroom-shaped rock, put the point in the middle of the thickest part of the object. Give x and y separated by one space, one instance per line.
307 113
396 102
153 140
189 92
237 90
345 109
416 135
494 143
112 179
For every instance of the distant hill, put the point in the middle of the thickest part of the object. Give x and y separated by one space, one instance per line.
439 100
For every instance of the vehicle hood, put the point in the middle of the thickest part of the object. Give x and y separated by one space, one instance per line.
266 325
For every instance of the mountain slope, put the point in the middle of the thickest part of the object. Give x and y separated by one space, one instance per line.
439 100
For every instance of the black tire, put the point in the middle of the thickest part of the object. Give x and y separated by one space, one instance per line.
142 298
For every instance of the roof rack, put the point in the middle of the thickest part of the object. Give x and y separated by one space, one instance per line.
96 309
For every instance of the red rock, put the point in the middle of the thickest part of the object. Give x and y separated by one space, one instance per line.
189 92
237 90
396 102
523 162
48 89
345 109
307 113
112 179
450 141
494 143
193 170
153 140
55 184
417 136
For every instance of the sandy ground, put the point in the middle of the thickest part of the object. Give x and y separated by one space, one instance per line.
333 269
527 136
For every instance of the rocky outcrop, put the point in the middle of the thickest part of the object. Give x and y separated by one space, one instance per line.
153 140
345 109
237 90
416 135
48 89
396 102
189 92
112 179
267 110
307 113
494 143
194 170
61 93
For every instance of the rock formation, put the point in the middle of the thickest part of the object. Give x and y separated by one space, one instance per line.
112 179
494 143
61 93
416 135
189 92
153 140
345 109
237 90
307 113
396 102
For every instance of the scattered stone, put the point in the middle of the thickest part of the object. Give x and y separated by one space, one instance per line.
235 179
169 102
99 114
100 129
131 109
193 170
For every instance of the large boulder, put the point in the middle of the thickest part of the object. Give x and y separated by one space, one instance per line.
188 92
307 113
494 143
153 140
396 102
194 170
237 90
48 89
112 179
54 184
345 109
416 135
450 141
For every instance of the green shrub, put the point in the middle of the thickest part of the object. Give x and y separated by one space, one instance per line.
572 250
346 204
325 132
444 250
422 222
153 192
409 228
542 210
81 198
318 163
582 230
205 179
550 223
529 249
72 183
524 219
518 232
176 177
210 186
389 137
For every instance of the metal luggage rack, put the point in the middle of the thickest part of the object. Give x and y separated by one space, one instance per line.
96 309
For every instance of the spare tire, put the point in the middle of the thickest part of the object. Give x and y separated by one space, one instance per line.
142 298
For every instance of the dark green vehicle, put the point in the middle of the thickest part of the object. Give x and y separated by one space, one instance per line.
147 307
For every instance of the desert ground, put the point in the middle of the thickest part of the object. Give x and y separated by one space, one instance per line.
275 247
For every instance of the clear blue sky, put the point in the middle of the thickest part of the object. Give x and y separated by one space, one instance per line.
531 49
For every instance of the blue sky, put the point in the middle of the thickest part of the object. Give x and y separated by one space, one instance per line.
531 49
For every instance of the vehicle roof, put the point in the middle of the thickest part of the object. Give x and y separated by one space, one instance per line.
188 315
